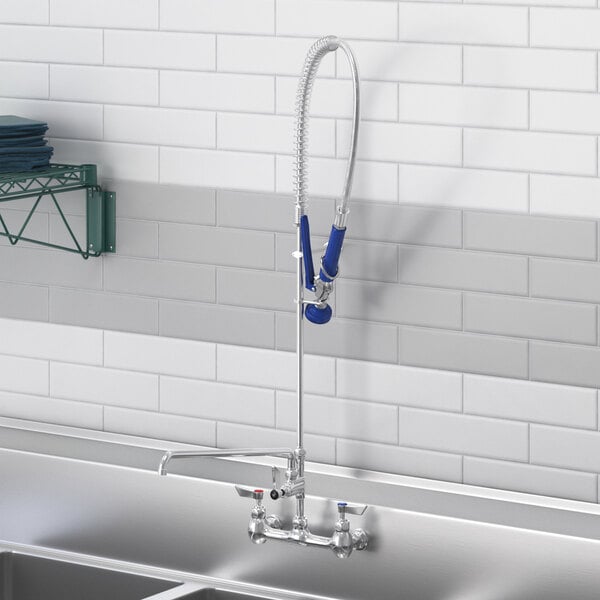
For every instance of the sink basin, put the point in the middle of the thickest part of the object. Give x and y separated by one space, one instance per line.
25 577
215 594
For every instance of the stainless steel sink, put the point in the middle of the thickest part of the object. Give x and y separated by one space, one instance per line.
215 594
25 577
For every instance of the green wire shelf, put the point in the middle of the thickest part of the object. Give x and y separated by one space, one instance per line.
100 213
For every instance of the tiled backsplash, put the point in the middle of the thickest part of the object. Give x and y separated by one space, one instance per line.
518 435
469 105
470 281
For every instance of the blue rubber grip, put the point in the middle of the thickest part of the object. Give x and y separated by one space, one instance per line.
309 269
332 253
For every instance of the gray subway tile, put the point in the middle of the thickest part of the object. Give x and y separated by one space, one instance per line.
21 301
270 212
468 352
524 317
230 435
524 234
530 479
562 363
217 246
399 304
565 448
339 417
341 337
405 224
258 289
104 310
210 323
459 269
160 279
359 260
565 280
463 434
159 202
159 426
50 267
137 238
530 401
399 460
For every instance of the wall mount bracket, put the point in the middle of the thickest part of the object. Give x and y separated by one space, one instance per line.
100 206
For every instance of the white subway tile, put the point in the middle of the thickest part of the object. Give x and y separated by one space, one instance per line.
135 14
530 401
49 341
360 19
402 461
160 126
461 23
66 119
565 3
217 91
24 80
217 401
115 161
530 479
565 448
30 12
23 375
333 98
565 196
51 44
530 68
50 410
274 369
340 418
159 50
387 61
463 188
108 85
403 142
321 448
461 434
236 170
565 111
372 180
222 16
272 133
454 105
268 55
526 151
404 386
565 28
104 386
160 426
163 355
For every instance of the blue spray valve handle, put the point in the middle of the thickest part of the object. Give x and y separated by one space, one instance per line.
331 258
309 269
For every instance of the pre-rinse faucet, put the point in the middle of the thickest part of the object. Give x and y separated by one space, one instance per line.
262 527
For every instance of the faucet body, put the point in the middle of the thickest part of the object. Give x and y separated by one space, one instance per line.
317 310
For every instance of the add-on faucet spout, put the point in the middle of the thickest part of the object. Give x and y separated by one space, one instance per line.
239 452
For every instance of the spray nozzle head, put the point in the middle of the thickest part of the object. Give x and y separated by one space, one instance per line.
318 315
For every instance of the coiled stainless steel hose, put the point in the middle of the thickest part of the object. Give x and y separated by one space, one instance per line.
311 65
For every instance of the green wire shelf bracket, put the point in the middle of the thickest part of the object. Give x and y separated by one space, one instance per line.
100 206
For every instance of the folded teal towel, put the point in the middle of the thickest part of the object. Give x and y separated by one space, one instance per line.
22 144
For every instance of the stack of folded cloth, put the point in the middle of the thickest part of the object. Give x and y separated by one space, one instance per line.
22 144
